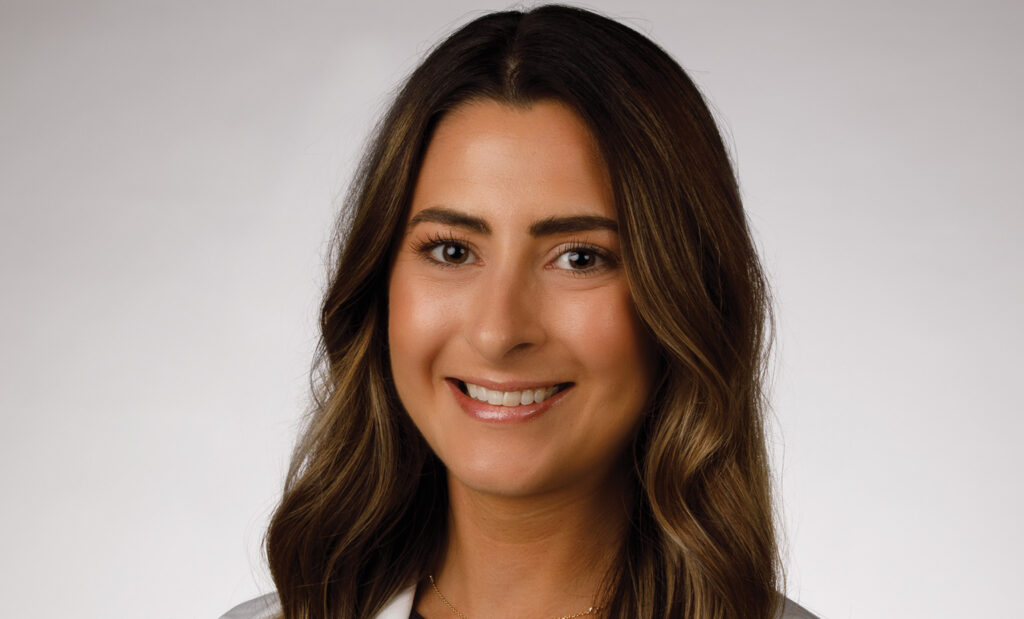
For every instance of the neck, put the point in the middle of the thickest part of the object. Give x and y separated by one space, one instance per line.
540 557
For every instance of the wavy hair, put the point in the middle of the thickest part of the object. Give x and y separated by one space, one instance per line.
364 508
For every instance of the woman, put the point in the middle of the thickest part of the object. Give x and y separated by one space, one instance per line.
542 349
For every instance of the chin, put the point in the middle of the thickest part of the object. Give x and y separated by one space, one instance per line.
500 475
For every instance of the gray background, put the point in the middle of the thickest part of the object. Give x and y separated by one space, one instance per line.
169 172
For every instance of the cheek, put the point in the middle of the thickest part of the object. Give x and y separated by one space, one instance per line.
618 362
608 337
418 318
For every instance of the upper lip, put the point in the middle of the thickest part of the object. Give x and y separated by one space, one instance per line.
508 385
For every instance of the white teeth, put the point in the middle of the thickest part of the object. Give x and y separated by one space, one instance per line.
509 398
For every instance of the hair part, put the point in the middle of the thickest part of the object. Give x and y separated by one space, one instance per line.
364 508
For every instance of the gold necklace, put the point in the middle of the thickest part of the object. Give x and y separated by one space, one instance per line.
589 611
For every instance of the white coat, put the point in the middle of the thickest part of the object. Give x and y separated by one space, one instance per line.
268 607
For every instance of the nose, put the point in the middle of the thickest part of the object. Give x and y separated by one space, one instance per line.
505 314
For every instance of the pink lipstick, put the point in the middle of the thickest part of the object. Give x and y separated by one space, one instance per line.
489 412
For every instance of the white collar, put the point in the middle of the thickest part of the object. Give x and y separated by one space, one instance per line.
400 606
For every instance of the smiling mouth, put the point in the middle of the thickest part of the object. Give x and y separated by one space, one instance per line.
509 398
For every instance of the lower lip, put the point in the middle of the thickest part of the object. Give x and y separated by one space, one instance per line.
490 413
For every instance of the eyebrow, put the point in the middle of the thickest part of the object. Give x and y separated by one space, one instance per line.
449 217
575 223
544 227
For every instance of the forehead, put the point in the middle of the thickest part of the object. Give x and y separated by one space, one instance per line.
493 159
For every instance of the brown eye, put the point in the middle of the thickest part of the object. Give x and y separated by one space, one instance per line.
451 253
581 260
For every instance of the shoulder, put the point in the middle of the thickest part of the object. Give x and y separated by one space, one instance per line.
792 610
269 607
264 607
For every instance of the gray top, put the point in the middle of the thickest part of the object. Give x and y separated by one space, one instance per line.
267 607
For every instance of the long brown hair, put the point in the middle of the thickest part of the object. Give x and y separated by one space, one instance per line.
364 508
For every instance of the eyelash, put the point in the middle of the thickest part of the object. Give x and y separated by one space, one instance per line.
425 248
605 259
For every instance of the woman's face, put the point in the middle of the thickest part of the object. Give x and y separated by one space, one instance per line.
514 344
